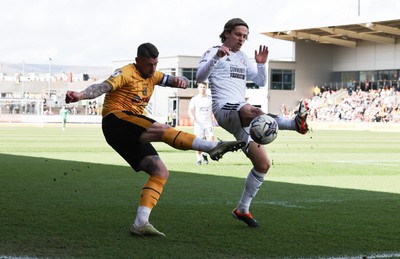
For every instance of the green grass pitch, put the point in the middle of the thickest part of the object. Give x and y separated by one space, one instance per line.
67 194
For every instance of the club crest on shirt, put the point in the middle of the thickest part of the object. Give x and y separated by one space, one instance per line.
117 72
206 54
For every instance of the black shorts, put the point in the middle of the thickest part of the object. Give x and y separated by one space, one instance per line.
122 131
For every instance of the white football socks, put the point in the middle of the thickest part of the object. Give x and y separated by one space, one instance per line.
285 123
142 216
203 145
253 183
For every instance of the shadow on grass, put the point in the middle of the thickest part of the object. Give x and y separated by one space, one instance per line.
53 208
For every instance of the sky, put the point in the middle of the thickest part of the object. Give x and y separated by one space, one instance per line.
98 32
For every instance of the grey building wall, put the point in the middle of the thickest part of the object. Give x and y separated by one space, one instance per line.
366 56
312 65
278 97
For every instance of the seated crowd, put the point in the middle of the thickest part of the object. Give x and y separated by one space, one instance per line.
381 105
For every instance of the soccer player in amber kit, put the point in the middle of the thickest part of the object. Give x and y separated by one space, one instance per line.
130 133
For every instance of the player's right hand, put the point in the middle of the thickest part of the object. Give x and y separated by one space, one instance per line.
223 51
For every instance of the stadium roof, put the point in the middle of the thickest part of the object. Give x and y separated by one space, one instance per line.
383 32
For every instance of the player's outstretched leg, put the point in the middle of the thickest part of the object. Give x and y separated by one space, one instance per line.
246 218
301 117
223 147
146 230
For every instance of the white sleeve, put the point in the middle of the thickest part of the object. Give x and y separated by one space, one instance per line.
191 103
206 65
258 76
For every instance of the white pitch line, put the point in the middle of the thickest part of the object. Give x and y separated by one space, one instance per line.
361 162
16 257
281 203
370 256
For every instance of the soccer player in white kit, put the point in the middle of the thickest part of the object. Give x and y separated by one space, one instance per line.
228 68
202 118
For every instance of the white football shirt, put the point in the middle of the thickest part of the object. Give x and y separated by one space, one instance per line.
202 109
228 75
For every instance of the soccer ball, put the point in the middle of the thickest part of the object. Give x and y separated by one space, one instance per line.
263 129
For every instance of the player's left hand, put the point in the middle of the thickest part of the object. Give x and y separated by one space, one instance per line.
262 55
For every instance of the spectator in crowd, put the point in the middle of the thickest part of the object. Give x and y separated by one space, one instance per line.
359 106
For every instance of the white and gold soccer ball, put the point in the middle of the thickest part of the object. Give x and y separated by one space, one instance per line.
263 129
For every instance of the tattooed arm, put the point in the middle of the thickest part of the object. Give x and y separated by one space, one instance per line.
90 92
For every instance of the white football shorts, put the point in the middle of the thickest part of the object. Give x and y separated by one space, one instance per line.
228 118
203 131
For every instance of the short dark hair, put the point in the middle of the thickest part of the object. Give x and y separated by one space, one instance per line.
147 50
204 83
230 26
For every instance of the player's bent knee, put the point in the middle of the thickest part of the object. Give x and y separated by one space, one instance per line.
263 167
153 165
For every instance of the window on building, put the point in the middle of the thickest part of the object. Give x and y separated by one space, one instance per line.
169 71
190 73
367 76
349 77
387 78
388 75
282 79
